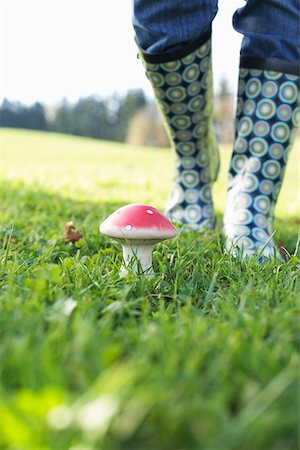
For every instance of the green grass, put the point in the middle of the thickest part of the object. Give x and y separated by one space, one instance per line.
202 356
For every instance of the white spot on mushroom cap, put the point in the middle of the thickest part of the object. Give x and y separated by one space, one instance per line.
128 227
149 211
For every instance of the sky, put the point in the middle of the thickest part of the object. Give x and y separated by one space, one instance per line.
50 49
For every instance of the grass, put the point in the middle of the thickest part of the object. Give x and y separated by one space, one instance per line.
202 356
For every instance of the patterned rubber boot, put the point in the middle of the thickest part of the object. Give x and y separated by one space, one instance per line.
183 92
267 119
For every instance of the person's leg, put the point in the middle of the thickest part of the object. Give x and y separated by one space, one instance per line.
266 121
271 35
171 25
174 42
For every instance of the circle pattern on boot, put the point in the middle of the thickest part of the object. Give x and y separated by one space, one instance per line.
266 119
183 90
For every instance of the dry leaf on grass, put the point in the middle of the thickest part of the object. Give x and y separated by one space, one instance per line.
71 234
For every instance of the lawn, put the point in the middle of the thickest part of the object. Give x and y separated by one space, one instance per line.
202 356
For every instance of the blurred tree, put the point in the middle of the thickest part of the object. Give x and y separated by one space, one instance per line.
224 90
134 101
106 118
223 113
16 115
61 120
146 128
36 117
7 114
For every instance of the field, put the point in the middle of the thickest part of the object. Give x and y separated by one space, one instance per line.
202 356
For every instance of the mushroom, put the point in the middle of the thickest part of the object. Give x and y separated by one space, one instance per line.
138 228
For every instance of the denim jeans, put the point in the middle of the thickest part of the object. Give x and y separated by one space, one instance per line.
270 29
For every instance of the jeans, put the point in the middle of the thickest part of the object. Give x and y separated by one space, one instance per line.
270 29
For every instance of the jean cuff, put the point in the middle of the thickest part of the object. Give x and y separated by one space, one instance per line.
272 64
185 50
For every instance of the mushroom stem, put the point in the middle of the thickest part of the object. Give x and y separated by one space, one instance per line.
135 256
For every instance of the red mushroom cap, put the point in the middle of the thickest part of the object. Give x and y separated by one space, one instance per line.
138 222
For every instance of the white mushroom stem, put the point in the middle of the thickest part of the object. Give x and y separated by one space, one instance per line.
135 255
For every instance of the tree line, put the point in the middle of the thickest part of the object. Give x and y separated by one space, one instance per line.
131 117
106 118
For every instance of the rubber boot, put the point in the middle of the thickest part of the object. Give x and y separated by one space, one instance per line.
267 119
183 92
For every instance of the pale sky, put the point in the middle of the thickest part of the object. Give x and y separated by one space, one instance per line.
50 49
